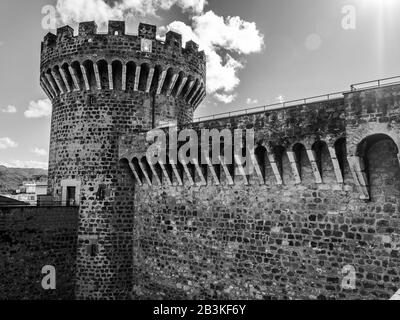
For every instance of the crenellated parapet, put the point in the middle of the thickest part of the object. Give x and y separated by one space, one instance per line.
90 62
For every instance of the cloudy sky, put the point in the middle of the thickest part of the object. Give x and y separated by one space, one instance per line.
258 52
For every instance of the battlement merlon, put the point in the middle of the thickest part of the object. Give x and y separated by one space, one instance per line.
88 33
92 61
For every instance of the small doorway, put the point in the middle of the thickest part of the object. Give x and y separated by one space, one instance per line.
71 193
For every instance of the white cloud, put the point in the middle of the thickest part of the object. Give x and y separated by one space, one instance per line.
25 164
40 152
225 98
250 101
101 11
9 109
39 109
6 143
220 38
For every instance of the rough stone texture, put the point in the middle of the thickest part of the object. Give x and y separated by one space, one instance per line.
31 238
279 242
329 201
103 87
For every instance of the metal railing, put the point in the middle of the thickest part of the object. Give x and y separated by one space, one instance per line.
274 106
375 83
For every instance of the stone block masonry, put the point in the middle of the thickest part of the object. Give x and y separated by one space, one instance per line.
31 238
323 201
297 234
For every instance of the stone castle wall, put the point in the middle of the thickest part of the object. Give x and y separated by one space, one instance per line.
331 209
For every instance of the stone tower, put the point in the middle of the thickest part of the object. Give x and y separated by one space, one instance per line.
103 86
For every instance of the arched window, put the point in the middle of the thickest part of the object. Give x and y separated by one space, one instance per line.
380 155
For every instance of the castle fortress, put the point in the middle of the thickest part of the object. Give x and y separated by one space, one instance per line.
319 217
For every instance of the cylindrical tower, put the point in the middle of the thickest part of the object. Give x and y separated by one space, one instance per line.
103 86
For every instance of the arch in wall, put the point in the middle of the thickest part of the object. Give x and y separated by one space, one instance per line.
136 166
130 76
379 157
60 81
144 74
76 67
303 163
283 167
193 90
168 80
340 147
88 65
187 87
68 76
103 73
52 82
324 161
261 157
178 83
117 74
156 78
146 168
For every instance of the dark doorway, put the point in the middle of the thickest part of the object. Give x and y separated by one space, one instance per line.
71 191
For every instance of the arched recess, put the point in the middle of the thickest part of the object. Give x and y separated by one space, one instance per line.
193 90
76 67
130 76
379 156
146 168
103 73
68 76
187 87
136 166
88 65
282 163
303 164
341 156
324 162
168 80
60 81
261 157
144 74
52 82
117 74
178 83
156 78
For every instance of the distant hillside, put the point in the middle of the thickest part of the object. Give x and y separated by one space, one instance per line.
11 178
